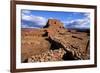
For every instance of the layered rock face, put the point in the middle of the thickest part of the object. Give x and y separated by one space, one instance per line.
54 43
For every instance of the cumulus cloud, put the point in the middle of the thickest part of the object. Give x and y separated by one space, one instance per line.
30 20
78 23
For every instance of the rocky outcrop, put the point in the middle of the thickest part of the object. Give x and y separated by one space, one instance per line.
51 55
78 48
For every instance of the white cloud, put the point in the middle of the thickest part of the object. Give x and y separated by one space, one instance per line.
87 15
39 20
51 18
26 26
79 23
26 11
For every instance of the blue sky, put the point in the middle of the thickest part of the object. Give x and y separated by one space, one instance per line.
38 19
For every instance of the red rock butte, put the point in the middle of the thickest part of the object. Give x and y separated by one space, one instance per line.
54 23
54 26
